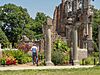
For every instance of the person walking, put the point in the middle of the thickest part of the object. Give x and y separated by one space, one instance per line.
34 50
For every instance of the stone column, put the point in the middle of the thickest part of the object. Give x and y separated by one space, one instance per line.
85 22
99 41
75 49
87 26
90 39
0 51
68 35
48 52
90 31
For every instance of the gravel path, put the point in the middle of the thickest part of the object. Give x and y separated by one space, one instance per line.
24 67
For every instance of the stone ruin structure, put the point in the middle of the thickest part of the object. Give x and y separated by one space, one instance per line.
72 20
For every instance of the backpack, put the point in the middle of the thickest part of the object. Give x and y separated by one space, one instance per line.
34 50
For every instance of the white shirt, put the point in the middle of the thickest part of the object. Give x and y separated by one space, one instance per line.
34 47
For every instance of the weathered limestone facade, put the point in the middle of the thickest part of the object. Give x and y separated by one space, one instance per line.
73 20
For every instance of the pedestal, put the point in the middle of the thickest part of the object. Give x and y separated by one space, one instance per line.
76 62
49 63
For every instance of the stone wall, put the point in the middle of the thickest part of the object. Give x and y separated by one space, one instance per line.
82 53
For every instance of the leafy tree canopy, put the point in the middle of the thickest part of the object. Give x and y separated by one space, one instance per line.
14 20
39 21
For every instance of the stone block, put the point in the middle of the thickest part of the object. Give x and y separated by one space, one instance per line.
82 53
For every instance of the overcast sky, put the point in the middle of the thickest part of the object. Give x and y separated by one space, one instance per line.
46 6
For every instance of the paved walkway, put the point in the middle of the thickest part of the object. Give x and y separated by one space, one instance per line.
40 67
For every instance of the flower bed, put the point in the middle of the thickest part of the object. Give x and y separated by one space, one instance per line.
13 57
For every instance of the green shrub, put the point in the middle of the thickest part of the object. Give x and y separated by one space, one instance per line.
41 56
61 45
3 61
19 55
95 54
60 52
89 61
66 57
57 57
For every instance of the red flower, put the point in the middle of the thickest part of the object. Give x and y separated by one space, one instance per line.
8 61
14 62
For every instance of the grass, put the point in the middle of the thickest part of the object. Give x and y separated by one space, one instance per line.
89 71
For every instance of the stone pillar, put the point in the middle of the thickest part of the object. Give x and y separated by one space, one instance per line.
86 23
48 51
86 33
68 35
89 39
90 31
87 26
75 49
99 41
0 51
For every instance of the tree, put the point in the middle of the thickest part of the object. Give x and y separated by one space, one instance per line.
3 39
96 22
38 23
29 33
15 19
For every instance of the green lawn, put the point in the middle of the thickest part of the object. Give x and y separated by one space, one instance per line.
90 71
